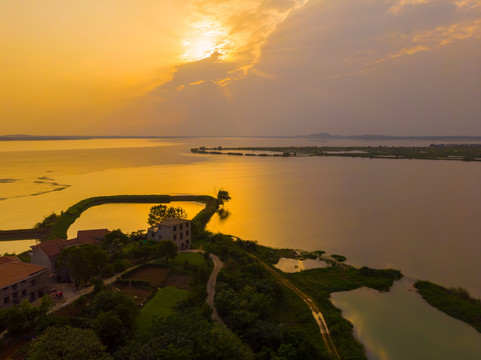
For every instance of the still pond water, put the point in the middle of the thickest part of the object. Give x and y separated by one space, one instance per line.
421 217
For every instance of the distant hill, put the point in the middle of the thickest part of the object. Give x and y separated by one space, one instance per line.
387 137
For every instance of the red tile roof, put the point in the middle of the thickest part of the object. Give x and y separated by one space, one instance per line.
91 236
7 259
54 247
13 272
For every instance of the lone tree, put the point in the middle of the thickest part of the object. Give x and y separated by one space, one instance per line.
84 261
167 249
223 196
159 212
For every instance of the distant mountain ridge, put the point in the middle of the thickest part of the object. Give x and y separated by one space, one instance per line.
325 135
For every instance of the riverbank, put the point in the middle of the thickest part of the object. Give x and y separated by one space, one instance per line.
456 303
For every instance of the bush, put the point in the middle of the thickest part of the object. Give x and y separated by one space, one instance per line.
107 271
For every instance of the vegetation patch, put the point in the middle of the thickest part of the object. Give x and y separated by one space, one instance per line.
454 302
161 305
190 258
138 294
152 274
181 281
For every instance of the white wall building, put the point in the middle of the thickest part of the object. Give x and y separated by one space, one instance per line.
177 230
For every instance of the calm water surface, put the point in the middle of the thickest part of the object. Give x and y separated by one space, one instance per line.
126 217
400 325
421 217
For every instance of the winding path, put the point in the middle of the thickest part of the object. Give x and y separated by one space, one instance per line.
218 264
316 313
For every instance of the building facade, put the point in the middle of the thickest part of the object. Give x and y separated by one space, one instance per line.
177 230
20 281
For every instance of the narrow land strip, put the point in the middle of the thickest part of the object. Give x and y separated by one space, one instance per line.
316 313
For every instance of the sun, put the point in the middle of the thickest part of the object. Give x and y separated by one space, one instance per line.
199 48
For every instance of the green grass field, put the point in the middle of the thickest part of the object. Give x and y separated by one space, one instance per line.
160 305
191 258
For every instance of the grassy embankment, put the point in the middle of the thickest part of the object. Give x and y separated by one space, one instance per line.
56 226
454 302
451 152
67 218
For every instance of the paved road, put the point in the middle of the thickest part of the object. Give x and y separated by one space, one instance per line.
316 313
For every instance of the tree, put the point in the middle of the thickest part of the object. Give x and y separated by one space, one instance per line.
339 258
84 261
109 329
67 343
223 196
118 303
159 212
23 318
167 249
113 243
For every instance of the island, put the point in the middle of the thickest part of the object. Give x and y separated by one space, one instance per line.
459 152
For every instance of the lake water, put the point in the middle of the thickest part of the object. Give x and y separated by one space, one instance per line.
418 216
294 265
400 325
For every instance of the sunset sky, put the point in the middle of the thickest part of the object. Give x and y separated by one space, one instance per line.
240 67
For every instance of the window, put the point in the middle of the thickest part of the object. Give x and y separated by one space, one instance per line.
181 236
32 296
24 292
175 228
33 282
180 226
15 294
175 237
40 293
6 300
186 232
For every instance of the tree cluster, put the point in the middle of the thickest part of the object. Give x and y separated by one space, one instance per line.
186 335
24 318
159 212
252 304
116 252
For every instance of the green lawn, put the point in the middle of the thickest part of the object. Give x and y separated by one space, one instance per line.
191 258
160 305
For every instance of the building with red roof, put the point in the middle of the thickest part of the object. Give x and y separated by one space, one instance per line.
46 253
20 281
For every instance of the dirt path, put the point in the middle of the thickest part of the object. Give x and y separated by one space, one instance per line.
316 313
218 264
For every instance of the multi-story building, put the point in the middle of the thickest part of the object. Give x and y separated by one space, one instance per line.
20 281
177 230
